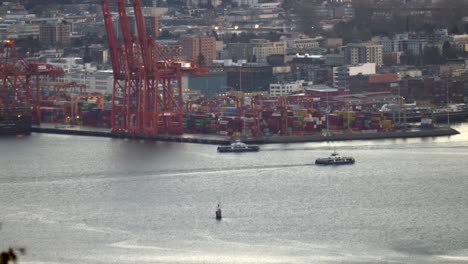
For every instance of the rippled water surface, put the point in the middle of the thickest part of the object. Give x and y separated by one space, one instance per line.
71 199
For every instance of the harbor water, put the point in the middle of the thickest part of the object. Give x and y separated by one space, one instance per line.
73 199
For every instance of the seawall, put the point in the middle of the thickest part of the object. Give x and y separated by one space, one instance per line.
365 136
224 140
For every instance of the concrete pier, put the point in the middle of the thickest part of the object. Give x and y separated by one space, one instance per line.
224 140
437 132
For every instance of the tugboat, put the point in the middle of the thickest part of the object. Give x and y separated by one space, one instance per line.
335 159
219 215
238 146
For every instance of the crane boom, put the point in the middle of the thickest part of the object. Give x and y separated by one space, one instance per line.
140 24
127 38
111 38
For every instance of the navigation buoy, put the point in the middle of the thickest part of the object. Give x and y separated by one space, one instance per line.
219 215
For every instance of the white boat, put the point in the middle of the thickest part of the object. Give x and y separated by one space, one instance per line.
335 159
238 146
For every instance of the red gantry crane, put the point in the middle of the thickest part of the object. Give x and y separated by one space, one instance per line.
21 79
147 90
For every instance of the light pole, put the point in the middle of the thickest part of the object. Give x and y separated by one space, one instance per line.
326 115
240 77
399 106
448 108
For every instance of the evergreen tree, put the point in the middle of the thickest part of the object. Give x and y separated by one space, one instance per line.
448 52
234 38
201 59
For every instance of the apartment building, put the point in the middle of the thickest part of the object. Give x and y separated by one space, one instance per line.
280 89
363 53
258 48
55 33
193 47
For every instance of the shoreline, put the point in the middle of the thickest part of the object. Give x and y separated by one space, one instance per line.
436 132
225 140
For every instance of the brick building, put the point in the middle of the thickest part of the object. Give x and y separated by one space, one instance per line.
193 47
55 33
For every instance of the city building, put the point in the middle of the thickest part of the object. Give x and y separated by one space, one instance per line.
209 85
264 48
55 33
332 43
403 43
281 89
257 49
21 30
193 47
95 81
333 59
246 77
245 2
341 74
17 25
302 45
239 51
363 53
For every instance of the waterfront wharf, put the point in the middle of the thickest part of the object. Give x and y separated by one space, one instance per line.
225 140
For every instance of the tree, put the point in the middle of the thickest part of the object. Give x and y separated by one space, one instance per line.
308 16
454 30
201 59
10 255
87 55
451 12
252 58
246 37
273 36
165 34
6 256
28 45
208 5
234 38
428 28
215 34
288 4
225 3
448 52
431 55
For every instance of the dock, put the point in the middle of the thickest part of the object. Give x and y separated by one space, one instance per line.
413 133
225 140
106 132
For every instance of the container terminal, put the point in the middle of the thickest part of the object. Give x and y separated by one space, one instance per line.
148 101
51 106
264 119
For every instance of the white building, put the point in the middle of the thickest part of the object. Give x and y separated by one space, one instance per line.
403 43
364 69
342 73
280 89
261 49
303 44
95 81
68 64
270 5
245 2
21 30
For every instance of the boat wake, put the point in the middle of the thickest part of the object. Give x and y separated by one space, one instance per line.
142 174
